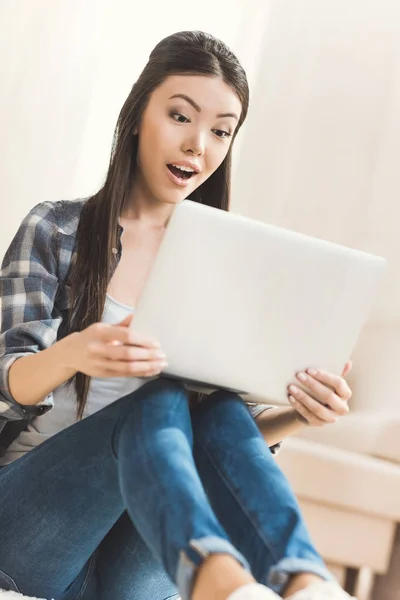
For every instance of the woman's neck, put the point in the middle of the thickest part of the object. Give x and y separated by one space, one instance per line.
144 207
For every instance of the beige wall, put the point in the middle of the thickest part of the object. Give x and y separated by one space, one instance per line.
319 152
48 65
66 68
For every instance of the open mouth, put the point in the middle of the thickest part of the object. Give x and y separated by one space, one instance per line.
181 172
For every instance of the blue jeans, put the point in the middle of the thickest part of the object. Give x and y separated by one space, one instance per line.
128 502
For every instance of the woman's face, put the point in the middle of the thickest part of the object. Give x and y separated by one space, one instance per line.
188 123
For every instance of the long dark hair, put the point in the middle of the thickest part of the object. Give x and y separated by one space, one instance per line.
188 53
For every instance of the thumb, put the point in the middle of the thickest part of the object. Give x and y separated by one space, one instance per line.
126 322
347 368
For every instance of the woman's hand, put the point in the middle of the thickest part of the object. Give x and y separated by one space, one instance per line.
103 350
326 398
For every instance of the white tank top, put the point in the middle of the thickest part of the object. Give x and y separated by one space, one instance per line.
101 393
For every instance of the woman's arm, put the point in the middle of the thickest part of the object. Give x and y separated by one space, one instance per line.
278 423
32 378
99 350
29 283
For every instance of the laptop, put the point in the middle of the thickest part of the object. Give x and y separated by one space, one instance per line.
241 305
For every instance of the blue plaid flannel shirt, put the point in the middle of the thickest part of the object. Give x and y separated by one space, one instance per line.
34 295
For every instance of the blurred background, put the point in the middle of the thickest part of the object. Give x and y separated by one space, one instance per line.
319 154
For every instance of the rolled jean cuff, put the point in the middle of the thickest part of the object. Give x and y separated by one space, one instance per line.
280 574
197 551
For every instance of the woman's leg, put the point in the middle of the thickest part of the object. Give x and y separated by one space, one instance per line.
59 501
250 496
125 568
170 509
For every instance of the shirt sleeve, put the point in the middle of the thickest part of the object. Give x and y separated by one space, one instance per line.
256 410
28 287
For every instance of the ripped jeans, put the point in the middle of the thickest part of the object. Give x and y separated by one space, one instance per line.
128 502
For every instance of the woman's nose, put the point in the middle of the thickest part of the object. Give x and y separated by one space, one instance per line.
195 145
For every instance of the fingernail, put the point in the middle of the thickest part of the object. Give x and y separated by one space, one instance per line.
312 372
163 364
291 399
293 389
302 376
156 344
161 355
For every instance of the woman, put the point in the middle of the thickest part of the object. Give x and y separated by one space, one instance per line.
144 491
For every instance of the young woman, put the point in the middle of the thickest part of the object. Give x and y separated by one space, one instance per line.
147 490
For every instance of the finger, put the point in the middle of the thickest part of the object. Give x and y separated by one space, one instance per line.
313 406
347 368
125 335
105 373
125 322
323 394
123 352
335 382
305 413
130 369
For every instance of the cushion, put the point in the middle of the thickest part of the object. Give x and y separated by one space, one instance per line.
334 476
363 432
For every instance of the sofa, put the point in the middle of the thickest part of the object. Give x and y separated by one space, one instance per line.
347 476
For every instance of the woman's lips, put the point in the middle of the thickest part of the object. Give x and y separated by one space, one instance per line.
177 180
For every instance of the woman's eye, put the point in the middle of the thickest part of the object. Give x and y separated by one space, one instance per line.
179 118
222 134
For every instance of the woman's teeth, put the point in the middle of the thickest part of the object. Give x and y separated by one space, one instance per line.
180 171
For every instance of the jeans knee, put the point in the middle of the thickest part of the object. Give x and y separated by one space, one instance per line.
165 385
218 413
157 405
221 401
158 395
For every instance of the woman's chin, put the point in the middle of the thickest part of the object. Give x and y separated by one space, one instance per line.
173 199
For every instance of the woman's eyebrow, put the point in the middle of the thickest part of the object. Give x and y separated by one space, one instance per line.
197 107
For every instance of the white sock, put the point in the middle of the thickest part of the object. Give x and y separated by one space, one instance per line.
253 591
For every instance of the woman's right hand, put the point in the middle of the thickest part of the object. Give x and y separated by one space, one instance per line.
104 350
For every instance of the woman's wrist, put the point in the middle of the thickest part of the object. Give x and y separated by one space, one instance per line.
67 354
279 423
299 418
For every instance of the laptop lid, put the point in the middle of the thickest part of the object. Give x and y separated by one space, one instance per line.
244 305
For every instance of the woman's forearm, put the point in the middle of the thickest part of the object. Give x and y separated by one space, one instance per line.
31 378
278 423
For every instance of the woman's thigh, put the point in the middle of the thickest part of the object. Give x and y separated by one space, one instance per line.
125 569
58 503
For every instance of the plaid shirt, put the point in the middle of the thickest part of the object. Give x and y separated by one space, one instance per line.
34 295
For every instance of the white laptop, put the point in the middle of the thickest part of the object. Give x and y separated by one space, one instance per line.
242 305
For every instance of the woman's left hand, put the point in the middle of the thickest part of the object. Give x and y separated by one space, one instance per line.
326 398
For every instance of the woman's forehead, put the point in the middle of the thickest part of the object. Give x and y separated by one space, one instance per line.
209 93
